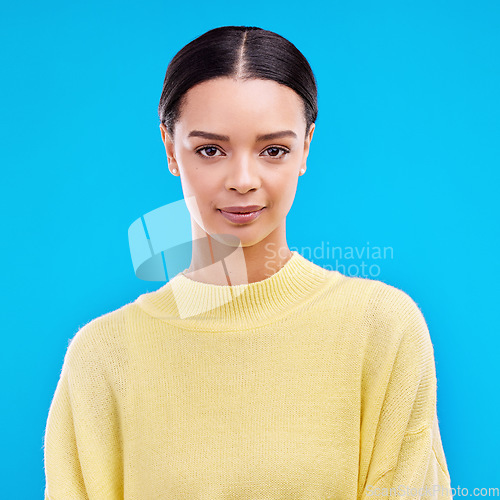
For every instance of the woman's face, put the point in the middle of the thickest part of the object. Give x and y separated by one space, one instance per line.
224 158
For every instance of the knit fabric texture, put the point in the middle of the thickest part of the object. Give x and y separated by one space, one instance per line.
308 385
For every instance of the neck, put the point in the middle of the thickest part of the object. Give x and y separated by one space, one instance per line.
218 263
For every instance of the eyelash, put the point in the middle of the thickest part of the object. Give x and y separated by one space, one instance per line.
281 148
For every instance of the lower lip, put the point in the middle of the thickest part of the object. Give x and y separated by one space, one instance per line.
241 218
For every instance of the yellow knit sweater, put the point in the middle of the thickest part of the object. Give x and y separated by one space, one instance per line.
308 385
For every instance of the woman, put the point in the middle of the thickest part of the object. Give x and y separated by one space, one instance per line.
254 373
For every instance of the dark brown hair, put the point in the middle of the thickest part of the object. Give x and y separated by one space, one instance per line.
244 52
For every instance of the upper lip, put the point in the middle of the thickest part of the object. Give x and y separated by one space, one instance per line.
243 210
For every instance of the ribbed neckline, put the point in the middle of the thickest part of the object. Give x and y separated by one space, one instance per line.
202 306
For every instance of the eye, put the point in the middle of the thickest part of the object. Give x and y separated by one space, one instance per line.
275 150
209 151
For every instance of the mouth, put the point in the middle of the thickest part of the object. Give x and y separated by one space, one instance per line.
242 210
241 217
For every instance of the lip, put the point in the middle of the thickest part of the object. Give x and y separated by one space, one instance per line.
247 209
242 218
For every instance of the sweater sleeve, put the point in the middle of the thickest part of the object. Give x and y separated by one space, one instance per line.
406 456
82 444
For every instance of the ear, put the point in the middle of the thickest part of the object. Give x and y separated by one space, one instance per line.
169 147
307 144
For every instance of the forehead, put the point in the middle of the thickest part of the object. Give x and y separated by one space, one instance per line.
226 103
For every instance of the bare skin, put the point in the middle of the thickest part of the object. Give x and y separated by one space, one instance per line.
239 170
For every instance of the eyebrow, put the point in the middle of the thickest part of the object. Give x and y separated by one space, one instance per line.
264 137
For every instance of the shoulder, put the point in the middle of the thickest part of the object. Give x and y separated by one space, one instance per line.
382 312
391 333
393 306
379 300
101 343
395 331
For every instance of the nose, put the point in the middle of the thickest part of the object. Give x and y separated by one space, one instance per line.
243 174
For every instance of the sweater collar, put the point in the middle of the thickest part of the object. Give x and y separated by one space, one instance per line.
202 306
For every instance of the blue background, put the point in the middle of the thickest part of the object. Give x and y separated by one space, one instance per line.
405 155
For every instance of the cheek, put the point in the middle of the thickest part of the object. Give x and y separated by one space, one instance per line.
283 192
197 182
200 192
